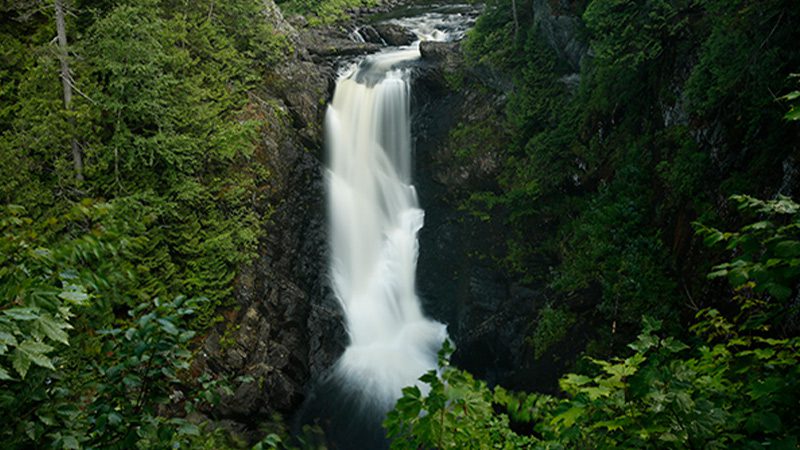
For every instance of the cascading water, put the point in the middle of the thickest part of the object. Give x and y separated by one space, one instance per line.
374 220
375 217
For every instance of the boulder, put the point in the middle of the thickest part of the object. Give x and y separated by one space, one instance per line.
394 34
446 55
334 48
371 35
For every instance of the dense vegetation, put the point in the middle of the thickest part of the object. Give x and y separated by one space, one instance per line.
624 163
732 384
131 197
323 12
132 203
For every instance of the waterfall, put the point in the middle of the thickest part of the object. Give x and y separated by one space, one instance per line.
374 220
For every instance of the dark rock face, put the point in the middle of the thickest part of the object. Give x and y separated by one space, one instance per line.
487 314
462 108
560 30
287 327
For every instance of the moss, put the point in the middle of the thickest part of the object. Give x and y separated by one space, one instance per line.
324 12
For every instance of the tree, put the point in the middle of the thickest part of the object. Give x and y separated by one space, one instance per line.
66 82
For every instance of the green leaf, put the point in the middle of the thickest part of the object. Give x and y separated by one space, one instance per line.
569 417
130 333
717 274
168 326
611 425
650 325
32 352
761 225
765 388
21 363
764 353
7 339
791 96
770 422
189 429
114 419
713 237
597 392
77 297
132 380
644 343
673 345
788 249
571 383
4 375
23 314
52 329
788 443
272 440
428 377
47 420
778 291
71 443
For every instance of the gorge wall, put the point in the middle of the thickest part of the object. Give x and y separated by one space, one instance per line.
287 328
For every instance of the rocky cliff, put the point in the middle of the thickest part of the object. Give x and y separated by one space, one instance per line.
286 327
460 142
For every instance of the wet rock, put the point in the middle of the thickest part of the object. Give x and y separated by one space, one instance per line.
370 34
304 86
333 48
394 34
328 337
446 55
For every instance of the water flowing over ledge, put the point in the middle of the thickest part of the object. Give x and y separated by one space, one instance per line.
375 217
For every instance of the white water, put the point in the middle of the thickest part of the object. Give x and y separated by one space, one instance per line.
375 217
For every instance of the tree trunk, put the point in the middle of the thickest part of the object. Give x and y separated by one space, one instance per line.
66 83
516 19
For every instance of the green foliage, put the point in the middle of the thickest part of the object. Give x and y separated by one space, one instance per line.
683 173
632 42
118 399
792 97
456 412
769 249
734 385
160 115
39 290
323 12
469 141
611 244
92 355
491 40
673 108
734 88
552 325
92 387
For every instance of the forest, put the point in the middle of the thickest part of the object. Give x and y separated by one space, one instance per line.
645 171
